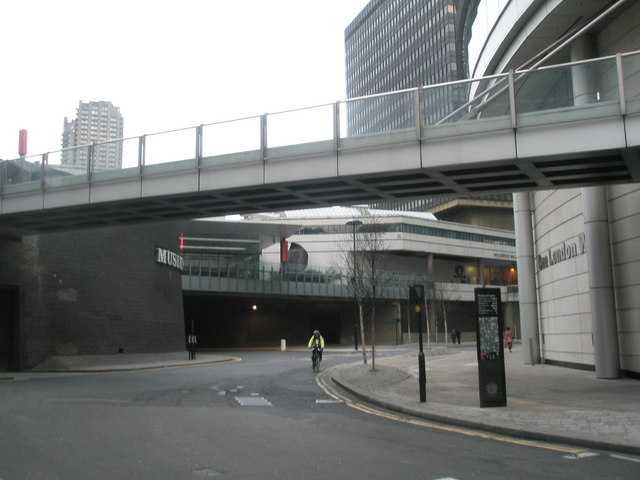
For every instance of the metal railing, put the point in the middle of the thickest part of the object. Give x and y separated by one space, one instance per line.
257 277
511 100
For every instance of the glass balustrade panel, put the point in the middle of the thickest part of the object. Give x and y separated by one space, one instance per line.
631 69
297 127
379 114
235 136
173 146
567 93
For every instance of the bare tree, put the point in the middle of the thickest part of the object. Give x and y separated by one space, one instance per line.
366 261
353 264
375 277
444 296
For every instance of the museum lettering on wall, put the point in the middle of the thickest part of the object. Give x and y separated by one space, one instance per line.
562 253
169 258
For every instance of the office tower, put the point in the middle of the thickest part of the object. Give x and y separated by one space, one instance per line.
395 45
96 123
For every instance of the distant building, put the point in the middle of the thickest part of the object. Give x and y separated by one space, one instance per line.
577 247
396 45
400 44
95 123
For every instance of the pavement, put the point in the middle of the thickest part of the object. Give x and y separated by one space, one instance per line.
544 402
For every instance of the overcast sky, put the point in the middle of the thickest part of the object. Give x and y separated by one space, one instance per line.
166 63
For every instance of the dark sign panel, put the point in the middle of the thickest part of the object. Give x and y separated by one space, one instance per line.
492 383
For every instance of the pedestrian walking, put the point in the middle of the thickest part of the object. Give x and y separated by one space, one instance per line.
194 343
455 336
508 338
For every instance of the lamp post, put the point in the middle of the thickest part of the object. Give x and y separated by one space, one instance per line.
355 224
416 297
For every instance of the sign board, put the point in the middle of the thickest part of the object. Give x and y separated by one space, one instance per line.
489 323
169 258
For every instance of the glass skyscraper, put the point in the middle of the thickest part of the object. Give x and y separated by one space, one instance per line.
394 45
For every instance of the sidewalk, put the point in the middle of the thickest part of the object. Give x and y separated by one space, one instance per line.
546 403
65 364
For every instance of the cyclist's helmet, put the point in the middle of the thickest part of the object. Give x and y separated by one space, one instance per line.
316 332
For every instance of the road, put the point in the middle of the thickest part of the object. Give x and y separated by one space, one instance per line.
262 417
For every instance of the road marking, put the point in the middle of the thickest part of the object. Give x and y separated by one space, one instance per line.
253 402
446 428
580 455
623 457
327 400
87 400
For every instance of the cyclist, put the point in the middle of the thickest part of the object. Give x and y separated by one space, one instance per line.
317 340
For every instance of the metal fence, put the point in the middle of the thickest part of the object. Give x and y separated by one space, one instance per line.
511 100
274 279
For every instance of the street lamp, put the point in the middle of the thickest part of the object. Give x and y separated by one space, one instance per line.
416 298
355 224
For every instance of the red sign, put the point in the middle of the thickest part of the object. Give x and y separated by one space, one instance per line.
22 145
284 251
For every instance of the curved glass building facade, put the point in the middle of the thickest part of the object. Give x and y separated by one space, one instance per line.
579 303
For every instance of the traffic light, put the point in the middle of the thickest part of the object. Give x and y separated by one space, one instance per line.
416 294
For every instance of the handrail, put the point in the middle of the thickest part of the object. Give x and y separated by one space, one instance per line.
334 280
336 117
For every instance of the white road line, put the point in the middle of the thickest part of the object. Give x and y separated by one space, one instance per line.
628 459
253 402
580 456
327 400
87 400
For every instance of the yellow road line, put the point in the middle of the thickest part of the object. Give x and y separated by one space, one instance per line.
447 428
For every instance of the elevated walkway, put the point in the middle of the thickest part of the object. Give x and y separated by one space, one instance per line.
521 131
266 279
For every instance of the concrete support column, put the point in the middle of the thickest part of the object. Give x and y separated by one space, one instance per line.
526 278
584 91
596 222
603 309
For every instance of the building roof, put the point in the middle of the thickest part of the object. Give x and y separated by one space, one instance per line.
340 212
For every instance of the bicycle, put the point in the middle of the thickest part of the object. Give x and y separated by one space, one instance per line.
315 359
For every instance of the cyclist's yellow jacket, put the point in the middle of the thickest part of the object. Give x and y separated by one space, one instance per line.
316 341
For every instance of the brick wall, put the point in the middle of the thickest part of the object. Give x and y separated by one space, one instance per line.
95 292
